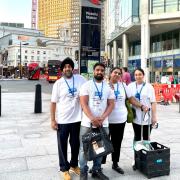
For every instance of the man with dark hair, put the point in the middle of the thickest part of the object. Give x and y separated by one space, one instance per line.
97 101
65 99
126 77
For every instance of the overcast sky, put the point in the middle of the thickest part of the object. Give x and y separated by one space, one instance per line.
18 11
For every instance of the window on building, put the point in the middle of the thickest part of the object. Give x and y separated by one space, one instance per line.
25 57
38 58
32 51
32 57
156 45
26 51
158 6
167 41
38 52
44 52
171 5
137 48
175 39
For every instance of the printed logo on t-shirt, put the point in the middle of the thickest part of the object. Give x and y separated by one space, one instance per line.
72 90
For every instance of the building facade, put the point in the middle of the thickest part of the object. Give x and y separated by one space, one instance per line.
21 50
52 15
34 14
147 34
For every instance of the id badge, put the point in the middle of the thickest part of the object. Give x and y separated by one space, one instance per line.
72 90
116 93
97 106
99 94
137 96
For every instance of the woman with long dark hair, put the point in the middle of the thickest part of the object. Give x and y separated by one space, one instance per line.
118 117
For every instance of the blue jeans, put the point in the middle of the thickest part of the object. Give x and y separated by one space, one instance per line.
82 159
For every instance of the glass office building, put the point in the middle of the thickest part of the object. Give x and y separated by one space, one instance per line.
154 42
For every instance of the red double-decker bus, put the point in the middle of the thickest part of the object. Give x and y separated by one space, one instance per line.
33 71
53 70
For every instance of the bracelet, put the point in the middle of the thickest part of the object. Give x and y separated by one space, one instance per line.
142 107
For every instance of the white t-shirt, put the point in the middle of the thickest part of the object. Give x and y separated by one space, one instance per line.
97 106
119 113
68 105
147 96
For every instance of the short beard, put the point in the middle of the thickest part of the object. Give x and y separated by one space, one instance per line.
99 78
68 74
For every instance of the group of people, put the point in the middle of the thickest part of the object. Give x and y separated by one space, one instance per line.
76 104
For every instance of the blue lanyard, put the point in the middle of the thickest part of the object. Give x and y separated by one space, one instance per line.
71 90
99 93
117 91
140 89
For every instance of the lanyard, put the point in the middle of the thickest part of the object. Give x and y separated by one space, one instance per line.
140 89
71 90
99 93
117 91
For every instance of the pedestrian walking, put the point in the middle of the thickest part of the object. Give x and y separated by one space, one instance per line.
144 93
118 117
97 101
65 103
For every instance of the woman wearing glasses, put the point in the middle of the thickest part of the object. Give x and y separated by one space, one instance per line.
118 117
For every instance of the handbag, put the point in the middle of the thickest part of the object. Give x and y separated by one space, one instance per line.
96 143
131 112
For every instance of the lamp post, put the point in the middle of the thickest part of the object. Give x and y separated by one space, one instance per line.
20 72
20 60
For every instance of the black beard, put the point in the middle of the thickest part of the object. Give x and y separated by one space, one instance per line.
98 78
68 74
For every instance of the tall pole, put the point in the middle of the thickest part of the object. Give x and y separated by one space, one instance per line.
20 73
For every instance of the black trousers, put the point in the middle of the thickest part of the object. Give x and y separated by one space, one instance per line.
116 132
137 131
64 132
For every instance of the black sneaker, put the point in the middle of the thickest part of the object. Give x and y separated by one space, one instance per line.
83 176
118 169
99 175
90 171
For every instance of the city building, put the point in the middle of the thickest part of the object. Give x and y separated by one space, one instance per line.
19 48
17 25
5 30
52 15
144 34
34 49
62 18
34 14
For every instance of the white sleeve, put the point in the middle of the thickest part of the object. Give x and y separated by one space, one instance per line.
84 90
54 96
129 90
152 94
111 94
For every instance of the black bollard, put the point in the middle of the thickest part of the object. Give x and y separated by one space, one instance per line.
38 100
0 100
